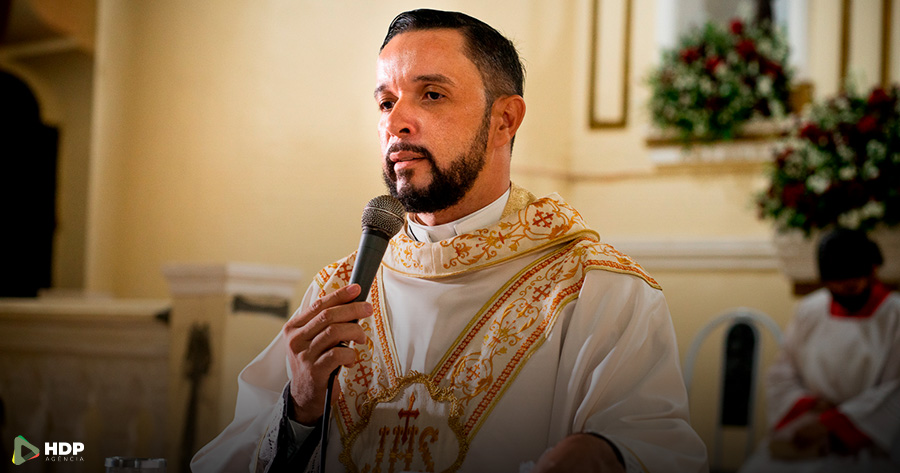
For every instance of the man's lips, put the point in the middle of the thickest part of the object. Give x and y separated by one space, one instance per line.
403 156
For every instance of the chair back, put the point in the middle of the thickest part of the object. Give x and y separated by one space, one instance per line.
739 372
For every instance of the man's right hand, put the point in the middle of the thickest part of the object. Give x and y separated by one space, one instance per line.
313 351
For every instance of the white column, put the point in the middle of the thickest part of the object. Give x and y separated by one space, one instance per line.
243 306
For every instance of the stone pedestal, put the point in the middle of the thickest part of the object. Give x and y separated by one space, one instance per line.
222 316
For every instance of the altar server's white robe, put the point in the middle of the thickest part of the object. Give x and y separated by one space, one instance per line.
608 362
853 362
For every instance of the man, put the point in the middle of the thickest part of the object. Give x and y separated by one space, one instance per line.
834 390
499 333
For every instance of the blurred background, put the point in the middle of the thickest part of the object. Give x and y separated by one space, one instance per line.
175 173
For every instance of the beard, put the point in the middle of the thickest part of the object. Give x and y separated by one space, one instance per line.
447 187
853 302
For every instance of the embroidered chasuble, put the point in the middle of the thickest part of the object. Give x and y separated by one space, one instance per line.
400 420
486 349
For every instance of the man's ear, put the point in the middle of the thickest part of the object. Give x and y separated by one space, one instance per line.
509 111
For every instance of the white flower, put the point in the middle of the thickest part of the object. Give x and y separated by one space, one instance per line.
872 209
795 164
777 108
700 129
847 173
876 150
818 183
870 170
764 86
845 152
685 81
733 58
842 104
817 158
850 219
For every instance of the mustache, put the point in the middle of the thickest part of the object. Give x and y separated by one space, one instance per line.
389 166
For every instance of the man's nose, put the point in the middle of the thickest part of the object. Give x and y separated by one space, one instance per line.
402 119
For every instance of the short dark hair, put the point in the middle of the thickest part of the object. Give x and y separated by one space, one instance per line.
495 56
846 254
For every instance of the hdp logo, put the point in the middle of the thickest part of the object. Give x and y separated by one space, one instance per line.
20 444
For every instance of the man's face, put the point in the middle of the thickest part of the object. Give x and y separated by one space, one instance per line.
435 123
851 293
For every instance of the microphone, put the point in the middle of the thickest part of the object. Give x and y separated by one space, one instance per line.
382 218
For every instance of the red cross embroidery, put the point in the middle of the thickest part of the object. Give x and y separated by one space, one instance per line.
542 219
364 375
473 374
541 293
407 414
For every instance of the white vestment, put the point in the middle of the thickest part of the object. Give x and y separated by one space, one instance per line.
850 361
487 349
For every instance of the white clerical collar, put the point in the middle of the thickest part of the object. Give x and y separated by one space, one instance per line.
481 218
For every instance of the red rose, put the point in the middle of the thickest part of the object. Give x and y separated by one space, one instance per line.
690 55
714 103
712 63
878 97
867 124
737 27
792 194
810 132
746 48
770 68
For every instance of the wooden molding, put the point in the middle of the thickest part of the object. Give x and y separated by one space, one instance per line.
887 11
593 121
845 43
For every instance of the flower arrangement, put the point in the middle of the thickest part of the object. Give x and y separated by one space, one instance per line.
718 79
840 166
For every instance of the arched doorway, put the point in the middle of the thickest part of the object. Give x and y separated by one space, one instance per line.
28 160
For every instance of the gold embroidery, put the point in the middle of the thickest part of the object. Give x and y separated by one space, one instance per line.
406 439
486 357
540 224
431 435
518 199
555 222
383 336
482 364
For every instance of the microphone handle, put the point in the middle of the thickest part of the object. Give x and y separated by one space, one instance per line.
372 245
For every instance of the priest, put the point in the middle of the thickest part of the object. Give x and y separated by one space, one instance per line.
500 334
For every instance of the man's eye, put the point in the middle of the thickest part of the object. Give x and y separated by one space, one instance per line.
386 105
433 95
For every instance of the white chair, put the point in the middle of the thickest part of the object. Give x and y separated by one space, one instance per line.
742 334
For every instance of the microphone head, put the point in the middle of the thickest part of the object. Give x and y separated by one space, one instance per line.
384 214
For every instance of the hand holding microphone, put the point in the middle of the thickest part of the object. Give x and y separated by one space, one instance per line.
314 352
317 338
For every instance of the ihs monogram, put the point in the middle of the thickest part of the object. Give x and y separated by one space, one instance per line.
404 436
